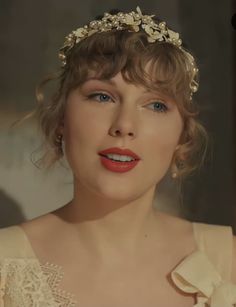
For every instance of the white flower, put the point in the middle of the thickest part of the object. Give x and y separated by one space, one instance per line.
129 20
157 36
80 32
147 29
173 35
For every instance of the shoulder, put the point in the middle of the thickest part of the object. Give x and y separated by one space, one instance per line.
234 261
8 236
42 228
217 241
12 242
18 270
15 240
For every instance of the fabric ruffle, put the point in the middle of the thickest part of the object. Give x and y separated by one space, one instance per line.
196 274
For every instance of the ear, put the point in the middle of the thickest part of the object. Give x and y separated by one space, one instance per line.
180 150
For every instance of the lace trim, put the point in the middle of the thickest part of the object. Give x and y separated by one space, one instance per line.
54 275
29 283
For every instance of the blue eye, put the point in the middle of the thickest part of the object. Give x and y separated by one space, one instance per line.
161 107
101 97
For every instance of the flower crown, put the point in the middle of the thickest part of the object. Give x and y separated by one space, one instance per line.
133 21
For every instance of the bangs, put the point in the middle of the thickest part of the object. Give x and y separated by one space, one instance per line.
158 66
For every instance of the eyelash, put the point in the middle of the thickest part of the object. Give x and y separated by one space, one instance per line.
164 107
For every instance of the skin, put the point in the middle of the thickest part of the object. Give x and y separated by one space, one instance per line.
112 212
115 242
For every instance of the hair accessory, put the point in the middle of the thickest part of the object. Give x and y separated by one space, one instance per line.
133 21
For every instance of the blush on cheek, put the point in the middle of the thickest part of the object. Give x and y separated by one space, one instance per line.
164 150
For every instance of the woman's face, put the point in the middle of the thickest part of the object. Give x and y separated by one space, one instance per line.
148 123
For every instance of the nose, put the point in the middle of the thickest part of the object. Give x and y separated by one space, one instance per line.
125 122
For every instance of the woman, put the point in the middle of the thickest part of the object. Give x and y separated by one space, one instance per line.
123 116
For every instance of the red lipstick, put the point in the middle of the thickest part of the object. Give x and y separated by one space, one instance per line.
120 151
118 166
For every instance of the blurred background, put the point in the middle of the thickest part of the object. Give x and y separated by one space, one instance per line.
32 32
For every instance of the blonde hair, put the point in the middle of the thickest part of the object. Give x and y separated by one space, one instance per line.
108 53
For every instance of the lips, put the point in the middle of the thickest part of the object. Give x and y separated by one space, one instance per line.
120 151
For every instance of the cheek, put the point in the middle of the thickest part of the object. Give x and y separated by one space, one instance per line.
83 127
86 129
76 118
163 141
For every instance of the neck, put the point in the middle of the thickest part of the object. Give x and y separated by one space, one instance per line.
111 227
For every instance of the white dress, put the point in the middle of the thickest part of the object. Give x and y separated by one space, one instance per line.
25 282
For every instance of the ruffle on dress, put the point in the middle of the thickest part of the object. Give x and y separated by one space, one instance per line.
196 274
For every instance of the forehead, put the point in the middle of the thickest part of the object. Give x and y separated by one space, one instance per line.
123 79
160 66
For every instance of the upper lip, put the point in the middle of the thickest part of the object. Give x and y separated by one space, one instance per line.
120 151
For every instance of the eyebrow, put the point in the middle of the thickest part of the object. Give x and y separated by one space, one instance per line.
109 81
113 83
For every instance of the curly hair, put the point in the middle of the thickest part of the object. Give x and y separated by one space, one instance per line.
107 53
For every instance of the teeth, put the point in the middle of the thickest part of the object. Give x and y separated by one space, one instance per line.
119 157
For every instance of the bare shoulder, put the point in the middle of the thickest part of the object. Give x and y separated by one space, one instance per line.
41 228
42 232
234 261
176 222
35 223
179 231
